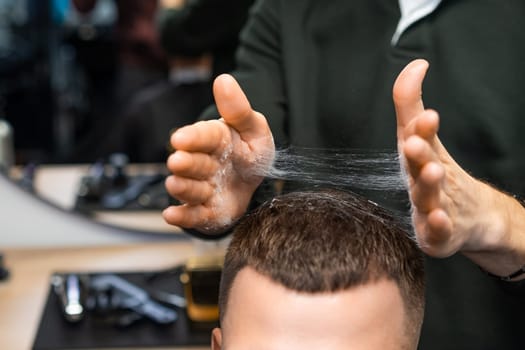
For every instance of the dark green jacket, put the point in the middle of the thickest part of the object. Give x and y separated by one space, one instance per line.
322 73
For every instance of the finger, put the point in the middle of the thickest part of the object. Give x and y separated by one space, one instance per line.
204 136
198 166
424 125
407 92
425 194
417 153
439 225
188 216
235 109
427 125
435 237
188 190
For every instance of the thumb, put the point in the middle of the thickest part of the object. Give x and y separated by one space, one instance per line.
407 92
235 109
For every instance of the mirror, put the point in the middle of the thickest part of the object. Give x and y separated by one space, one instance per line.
91 89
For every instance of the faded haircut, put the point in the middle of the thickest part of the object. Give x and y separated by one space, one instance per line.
327 241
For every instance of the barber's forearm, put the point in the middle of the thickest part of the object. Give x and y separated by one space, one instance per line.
498 245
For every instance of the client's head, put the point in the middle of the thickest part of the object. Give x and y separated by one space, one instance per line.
320 270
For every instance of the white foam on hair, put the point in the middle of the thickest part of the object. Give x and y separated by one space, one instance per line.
357 169
332 167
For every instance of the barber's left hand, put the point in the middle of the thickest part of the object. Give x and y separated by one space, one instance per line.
452 211
445 199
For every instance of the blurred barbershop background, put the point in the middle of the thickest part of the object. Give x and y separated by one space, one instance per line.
81 79
90 91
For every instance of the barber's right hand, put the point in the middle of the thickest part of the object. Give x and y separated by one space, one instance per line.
218 164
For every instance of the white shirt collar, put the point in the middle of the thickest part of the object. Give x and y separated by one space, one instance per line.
411 12
190 75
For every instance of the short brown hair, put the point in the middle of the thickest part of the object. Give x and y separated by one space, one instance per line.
326 241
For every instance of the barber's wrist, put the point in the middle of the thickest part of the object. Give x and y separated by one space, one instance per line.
497 244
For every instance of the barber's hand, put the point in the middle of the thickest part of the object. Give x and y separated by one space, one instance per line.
445 199
218 164
452 211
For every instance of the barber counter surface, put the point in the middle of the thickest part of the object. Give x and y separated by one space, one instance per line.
23 295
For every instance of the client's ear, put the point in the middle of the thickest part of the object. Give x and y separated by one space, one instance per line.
216 339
